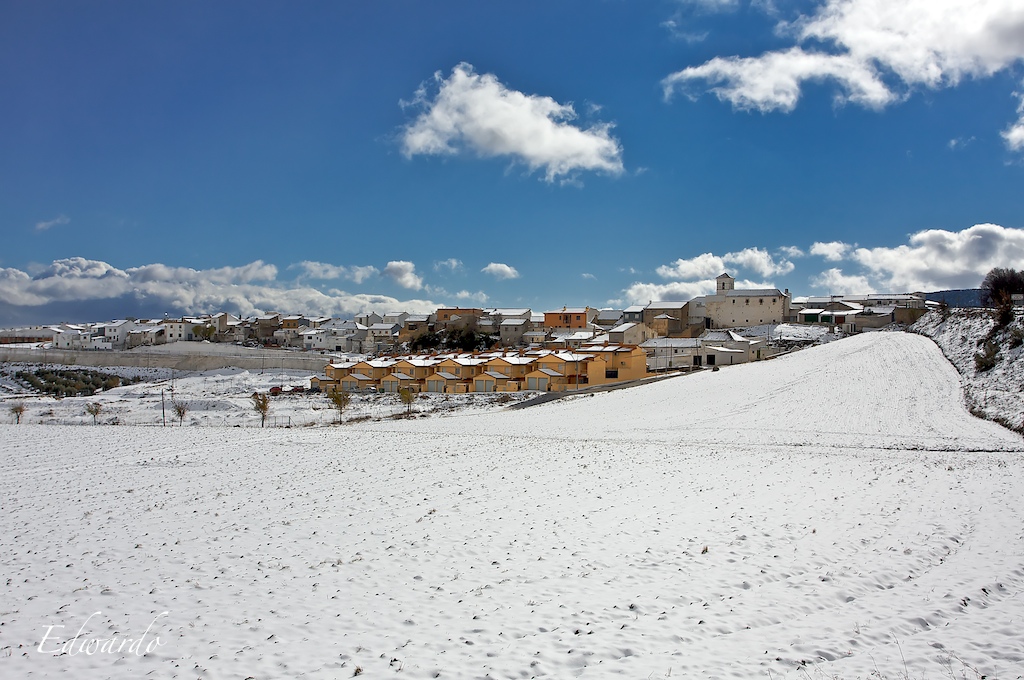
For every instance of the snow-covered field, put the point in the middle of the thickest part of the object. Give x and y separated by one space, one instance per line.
832 513
219 398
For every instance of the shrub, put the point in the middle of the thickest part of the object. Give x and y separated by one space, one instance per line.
986 359
180 410
17 410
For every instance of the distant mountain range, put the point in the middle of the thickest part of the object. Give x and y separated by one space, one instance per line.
965 297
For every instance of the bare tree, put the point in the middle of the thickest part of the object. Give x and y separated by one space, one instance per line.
94 409
17 410
261 402
180 410
340 400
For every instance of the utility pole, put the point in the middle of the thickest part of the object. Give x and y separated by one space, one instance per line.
163 408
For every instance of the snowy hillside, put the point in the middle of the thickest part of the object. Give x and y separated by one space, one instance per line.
995 392
832 513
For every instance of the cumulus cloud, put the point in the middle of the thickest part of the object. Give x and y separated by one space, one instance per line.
360 274
501 271
702 266
249 289
876 51
477 113
58 221
791 251
643 293
709 265
833 251
478 296
404 274
936 259
759 261
837 283
322 271
451 264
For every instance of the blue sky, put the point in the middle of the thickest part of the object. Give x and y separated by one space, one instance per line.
328 157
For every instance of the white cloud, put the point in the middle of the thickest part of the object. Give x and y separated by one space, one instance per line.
791 251
404 274
501 271
877 51
451 264
1014 135
960 143
759 261
937 259
833 251
700 267
360 274
835 282
248 289
322 271
477 113
709 265
478 296
588 276
61 220
643 293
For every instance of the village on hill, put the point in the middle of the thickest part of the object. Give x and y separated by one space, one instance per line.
486 350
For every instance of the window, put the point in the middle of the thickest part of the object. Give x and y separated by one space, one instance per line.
611 374
760 301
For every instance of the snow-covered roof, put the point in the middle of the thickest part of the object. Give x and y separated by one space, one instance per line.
633 309
622 328
655 343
